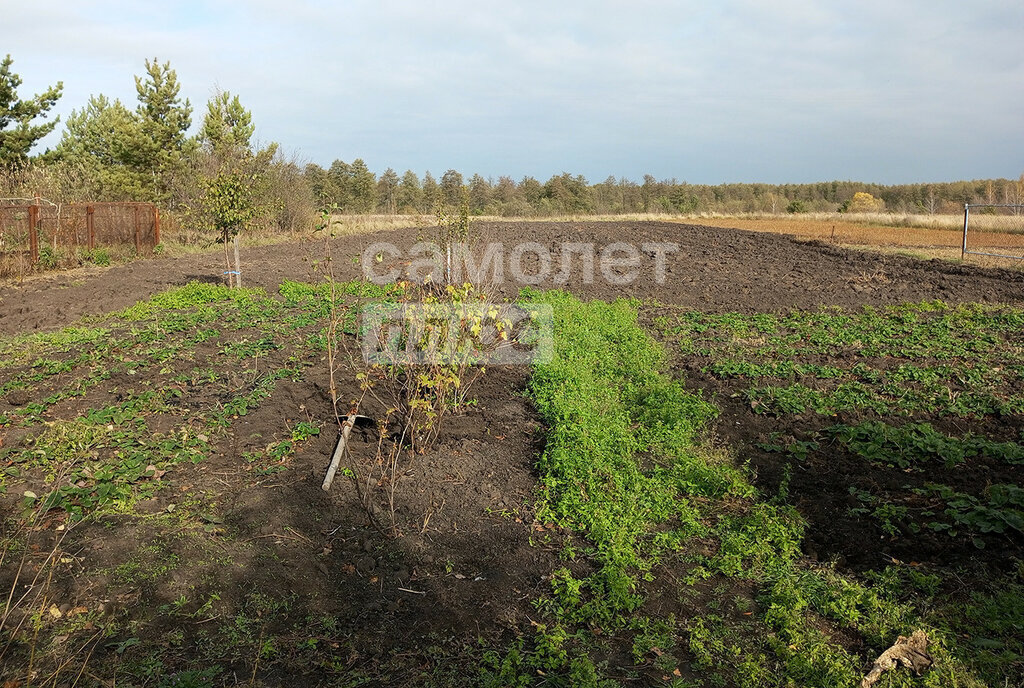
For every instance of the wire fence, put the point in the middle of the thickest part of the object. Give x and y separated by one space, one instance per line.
993 229
33 228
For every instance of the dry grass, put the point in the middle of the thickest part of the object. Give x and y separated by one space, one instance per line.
341 225
177 243
175 248
1000 223
345 225
625 217
920 236
979 220
923 236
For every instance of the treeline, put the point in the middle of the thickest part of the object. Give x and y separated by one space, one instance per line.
352 187
218 178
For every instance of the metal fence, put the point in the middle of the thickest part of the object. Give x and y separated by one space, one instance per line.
993 229
26 227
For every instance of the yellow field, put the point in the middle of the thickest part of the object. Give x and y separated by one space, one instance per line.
930 242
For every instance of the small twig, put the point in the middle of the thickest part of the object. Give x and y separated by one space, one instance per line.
259 651
280 536
87 658
212 618
299 535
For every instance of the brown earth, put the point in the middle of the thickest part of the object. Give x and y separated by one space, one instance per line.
715 269
272 545
468 565
819 484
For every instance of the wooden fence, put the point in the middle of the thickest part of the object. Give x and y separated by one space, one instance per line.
27 226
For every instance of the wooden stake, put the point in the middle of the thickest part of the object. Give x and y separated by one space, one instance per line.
339 450
90 226
33 232
238 267
138 230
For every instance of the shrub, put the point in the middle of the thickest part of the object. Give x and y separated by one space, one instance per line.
863 202
97 256
48 257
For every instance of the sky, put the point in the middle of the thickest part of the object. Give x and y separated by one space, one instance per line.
776 91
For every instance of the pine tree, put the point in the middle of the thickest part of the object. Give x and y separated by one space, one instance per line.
227 126
340 176
387 192
133 155
410 193
17 133
431 193
479 194
531 190
321 184
451 188
104 140
364 187
163 118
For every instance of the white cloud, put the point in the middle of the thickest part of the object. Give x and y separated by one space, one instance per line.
739 90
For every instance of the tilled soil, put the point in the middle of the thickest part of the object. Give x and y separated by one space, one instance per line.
820 484
468 563
458 560
714 269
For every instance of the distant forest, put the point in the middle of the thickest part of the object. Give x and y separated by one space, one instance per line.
353 188
109 151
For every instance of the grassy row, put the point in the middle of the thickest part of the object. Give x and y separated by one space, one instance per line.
167 379
648 514
923 358
890 373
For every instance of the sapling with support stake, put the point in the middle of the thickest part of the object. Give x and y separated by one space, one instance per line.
231 204
334 326
437 321
452 228
346 421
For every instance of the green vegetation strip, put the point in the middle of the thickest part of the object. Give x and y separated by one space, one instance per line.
649 513
918 448
929 357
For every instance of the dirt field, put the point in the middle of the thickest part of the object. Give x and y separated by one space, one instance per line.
244 547
715 269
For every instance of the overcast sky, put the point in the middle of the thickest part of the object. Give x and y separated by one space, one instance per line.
706 92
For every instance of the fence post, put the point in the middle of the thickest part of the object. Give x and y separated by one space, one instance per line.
156 225
963 248
90 227
138 246
33 232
